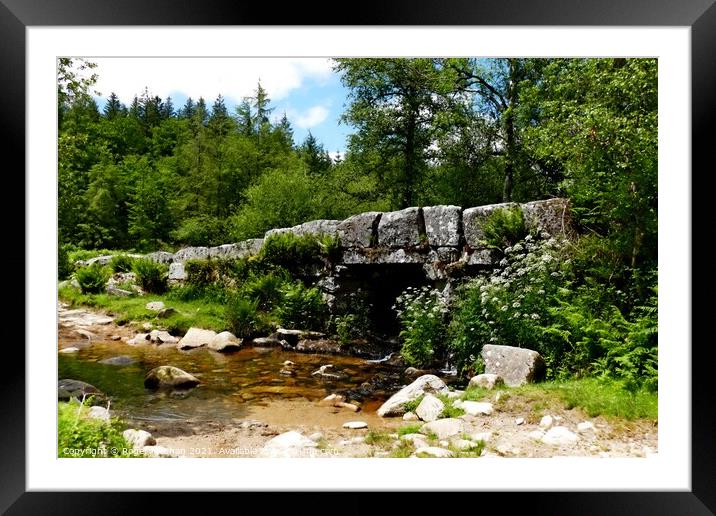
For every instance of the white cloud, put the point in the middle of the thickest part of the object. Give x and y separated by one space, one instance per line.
234 78
308 118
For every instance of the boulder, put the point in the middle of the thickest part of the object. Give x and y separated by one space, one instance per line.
289 444
550 215
138 438
429 408
191 253
313 227
442 225
161 257
443 428
113 290
196 338
426 384
464 444
71 349
486 381
154 306
326 346
546 422
418 440
139 339
332 399
434 451
169 376
122 360
225 341
98 412
359 230
410 416
475 408
266 342
398 229
473 220
67 388
559 436
162 337
516 366
176 271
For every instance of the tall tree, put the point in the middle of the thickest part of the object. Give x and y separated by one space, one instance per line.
114 107
395 105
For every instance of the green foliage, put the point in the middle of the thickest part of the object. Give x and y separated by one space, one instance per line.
356 322
451 411
65 267
202 230
151 276
410 406
421 313
299 253
121 263
93 278
303 308
266 289
379 439
504 227
78 436
243 318
410 429
403 450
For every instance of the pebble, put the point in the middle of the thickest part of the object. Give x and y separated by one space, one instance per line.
520 421
546 422
355 425
585 426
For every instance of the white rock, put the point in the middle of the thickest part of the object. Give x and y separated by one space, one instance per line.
225 341
586 426
486 381
138 438
464 444
454 394
417 439
196 337
355 425
537 435
289 444
520 421
434 451
316 436
429 408
559 435
358 440
426 384
99 413
481 436
477 408
443 428
155 306
332 399
139 339
546 422
410 416
71 349
444 443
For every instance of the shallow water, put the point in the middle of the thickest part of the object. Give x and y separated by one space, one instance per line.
233 385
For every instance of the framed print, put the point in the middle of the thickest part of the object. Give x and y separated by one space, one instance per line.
665 470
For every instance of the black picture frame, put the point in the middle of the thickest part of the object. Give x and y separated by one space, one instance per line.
16 15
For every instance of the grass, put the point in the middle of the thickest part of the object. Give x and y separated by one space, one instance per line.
410 429
79 436
412 405
449 410
475 451
380 439
403 450
595 397
200 312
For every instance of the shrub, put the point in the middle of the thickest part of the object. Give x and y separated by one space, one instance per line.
151 276
201 230
96 438
200 273
93 278
65 267
504 227
266 289
121 263
303 308
510 306
243 318
421 313
299 253
355 324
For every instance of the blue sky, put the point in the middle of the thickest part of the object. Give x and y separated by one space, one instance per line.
305 89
